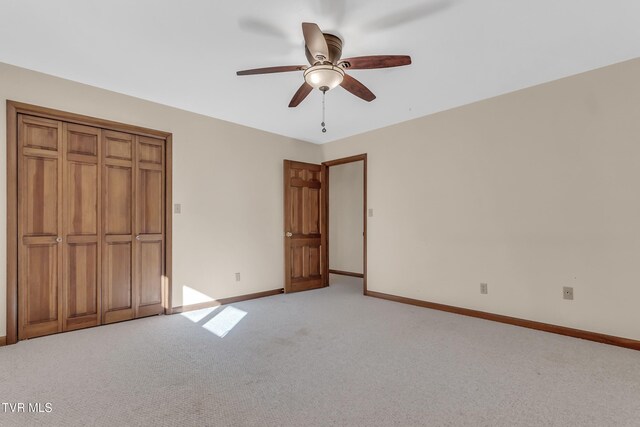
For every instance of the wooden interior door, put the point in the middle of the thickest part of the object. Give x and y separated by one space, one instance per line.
303 226
118 255
149 224
39 226
81 236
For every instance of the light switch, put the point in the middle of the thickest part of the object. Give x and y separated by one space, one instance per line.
177 208
370 213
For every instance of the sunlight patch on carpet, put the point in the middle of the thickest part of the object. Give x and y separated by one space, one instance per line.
224 321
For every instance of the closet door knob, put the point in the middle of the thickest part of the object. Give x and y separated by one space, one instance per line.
289 234
138 237
58 239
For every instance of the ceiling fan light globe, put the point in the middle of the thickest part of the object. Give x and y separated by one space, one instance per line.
324 75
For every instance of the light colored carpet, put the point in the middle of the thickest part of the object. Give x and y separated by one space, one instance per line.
320 358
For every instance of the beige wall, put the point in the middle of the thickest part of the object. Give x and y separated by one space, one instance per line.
228 179
346 194
528 192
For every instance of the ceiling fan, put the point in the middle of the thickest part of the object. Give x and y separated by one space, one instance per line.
326 69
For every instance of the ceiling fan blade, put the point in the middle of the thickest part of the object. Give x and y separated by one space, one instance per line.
315 41
301 94
357 88
269 70
375 61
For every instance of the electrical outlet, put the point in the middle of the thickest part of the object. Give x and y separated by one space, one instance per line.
567 292
237 277
484 288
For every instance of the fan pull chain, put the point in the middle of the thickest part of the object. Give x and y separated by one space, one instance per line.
324 129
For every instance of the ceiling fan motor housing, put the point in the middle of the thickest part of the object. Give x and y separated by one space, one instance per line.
334 43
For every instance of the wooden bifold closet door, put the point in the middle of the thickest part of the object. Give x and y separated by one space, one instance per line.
81 212
149 225
118 299
91 226
39 226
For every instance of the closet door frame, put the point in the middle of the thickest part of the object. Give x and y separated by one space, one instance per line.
13 109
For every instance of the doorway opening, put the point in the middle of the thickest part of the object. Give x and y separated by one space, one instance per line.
345 198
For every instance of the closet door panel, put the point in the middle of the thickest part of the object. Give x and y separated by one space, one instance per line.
40 290
150 297
118 281
82 140
40 194
119 274
119 146
40 133
81 226
82 199
150 151
39 226
149 206
82 297
118 285
119 196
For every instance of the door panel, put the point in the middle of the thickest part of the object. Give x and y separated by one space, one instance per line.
82 293
39 226
150 203
40 133
297 255
149 206
118 298
118 182
41 283
150 277
118 276
314 260
303 226
294 224
81 235
118 146
82 196
41 196
82 140
311 213
149 151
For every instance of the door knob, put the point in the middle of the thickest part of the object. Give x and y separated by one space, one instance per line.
138 237
289 234
58 239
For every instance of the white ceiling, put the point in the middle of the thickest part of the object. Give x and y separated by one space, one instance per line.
185 53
